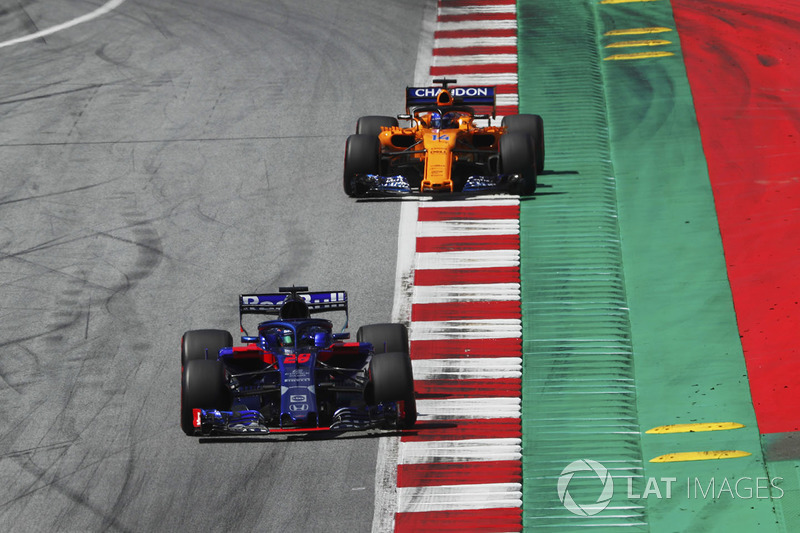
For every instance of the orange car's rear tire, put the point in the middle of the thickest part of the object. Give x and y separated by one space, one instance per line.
372 124
533 125
362 156
518 156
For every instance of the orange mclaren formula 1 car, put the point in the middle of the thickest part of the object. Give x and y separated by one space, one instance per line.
442 149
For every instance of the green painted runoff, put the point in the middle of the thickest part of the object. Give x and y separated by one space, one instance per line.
628 321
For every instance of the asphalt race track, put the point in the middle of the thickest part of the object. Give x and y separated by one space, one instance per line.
156 162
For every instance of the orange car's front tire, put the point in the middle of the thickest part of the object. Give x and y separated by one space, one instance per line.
362 156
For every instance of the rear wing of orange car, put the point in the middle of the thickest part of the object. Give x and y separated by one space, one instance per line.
482 96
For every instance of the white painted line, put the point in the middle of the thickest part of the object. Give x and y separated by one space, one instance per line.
508 99
100 11
459 497
477 259
469 408
510 78
465 329
457 451
478 368
478 201
404 270
466 293
477 25
451 228
464 42
478 59
466 10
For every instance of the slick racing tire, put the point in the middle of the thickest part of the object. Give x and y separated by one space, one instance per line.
371 125
517 156
196 343
533 125
392 380
202 387
384 337
362 155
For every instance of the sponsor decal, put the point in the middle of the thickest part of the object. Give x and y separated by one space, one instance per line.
295 358
431 92
277 299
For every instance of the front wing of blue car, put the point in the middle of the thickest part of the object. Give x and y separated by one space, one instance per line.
247 422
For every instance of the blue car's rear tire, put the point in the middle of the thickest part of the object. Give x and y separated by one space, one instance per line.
203 386
392 380
203 344
384 337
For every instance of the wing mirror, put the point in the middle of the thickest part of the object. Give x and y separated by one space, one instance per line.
340 336
249 339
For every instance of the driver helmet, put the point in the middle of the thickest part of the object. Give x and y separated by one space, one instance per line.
286 338
436 121
450 120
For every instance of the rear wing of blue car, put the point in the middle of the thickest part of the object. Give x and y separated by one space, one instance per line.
483 96
273 303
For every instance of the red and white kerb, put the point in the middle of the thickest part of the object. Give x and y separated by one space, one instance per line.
460 469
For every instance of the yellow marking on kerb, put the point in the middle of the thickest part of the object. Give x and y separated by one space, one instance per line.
648 42
640 55
692 428
699 456
637 31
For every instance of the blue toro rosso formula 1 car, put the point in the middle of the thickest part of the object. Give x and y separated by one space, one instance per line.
296 375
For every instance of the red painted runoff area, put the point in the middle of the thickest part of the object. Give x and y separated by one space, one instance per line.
743 62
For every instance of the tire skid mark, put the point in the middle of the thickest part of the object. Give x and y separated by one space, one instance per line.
85 360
